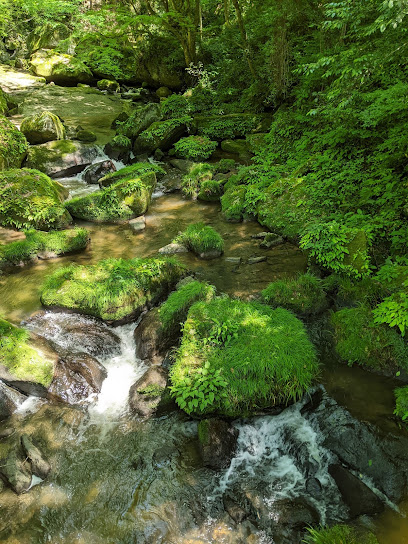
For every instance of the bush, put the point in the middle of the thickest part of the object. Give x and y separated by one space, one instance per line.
176 106
58 242
393 311
211 190
303 295
114 289
237 358
196 148
401 402
21 359
201 239
198 174
13 145
359 340
338 534
233 203
224 166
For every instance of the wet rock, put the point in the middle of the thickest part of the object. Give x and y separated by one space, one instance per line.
118 152
182 164
86 136
10 400
95 172
210 254
358 497
60 68
172 249
171 182
256 260
290 518
39 466
314 487
271 240
260 235
145 395
235 511
233 260
109 85
149 339
77 377
15 469
138 224
217 442
42 128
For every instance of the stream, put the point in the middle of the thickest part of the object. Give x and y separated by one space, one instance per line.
118 479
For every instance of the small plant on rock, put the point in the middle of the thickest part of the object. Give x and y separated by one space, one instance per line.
196 148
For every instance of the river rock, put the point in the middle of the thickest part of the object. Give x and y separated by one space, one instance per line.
60 68
358 497
61 158
172 249
39 466
77 377
10 399
234 510
42 128
109 85
182 164
210 254
138 224
171 182
256 260
15 469
149 338
118 152
271 240
85 136
160 135
217 442
94 172
145 395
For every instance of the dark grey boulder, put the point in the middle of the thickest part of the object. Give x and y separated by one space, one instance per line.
94 172
217 442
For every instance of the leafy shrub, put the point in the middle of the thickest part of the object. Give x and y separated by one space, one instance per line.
401 402
233 203
248 355
211 190
393 311
224 166
196 148
200 239
359 340
304 294
176 106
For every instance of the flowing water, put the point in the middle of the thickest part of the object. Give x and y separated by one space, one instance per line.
117 479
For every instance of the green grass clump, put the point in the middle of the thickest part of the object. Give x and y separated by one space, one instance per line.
174 311
339 534
123 200
359 340
303 295
211 190
401 402
113 289
21 359
237 358
233 202
195 148
58 242
197 175
200 239
131 172
30 199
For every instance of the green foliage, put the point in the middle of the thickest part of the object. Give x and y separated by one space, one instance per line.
233 202
113 289
122 141
196 148
159 129
58 242
401 403
304 294
262 355
13 145
151 391
20 358
224 166
338 534
360 340
224 127
133 171
200 239
211 190
192 181
176 106
393 311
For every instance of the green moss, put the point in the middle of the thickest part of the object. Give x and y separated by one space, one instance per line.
151 391
13 145
42 128
211 190
30 199
237 147
20 358
339 534
174 311
401 402
234 125
161 135
113 289
198 174
203 430
86 136
131 172
108 85
200 239
233 202
224 165
57 242
251 357
59 67
359 340
303 295
127 198
195 148
3 103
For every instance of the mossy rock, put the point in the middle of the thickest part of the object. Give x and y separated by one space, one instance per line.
42 128
115 290
211 190
284 209
13 145
238 358
139 120
339 534
201 239
160 135
303 295
356 256
47 36
237 147
20 358
359 340
3 103
60 68
133 171
45 245
86 136
233 202
109 85
231 126
127 198
61 157
30 199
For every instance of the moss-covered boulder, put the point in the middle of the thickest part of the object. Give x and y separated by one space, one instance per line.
47 36
160 135
43 245
60 68
359 340
19 359
140 119
237 147
304 295
109 85
127 198
61 157
42 128
211 190
202 240
13 145
238 358
115 290
30 199
131 172
230 126
233 203
86 136
3 103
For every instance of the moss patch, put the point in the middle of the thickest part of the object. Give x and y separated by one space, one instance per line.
13 145
303 295
20 358
43 128
237 358
115 290
131 172
233 203
121 201
30 199
201 239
